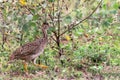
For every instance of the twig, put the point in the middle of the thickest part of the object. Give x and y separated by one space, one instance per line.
75 23
58 18
55 34
53 38
52 18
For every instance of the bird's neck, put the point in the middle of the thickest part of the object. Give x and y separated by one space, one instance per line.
44 34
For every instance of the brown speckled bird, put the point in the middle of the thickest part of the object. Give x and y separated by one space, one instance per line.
30 51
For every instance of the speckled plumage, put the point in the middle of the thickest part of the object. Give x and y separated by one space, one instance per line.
32 50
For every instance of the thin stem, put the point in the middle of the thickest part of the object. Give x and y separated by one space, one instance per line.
72 25
58 37
58 18
3 37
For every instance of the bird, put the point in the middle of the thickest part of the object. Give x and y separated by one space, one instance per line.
32 50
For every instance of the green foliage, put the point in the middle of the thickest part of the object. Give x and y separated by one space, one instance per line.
51 0
93 44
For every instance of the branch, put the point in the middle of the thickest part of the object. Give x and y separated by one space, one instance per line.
75 23
55 34
53 39
58 7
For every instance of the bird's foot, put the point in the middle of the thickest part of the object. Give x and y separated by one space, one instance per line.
25 67
42 66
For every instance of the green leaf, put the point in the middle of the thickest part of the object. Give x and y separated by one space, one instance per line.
116 5
104 6
78 13
25 27
51 29
113 11
36 17
32 24
33 11
68 19
51 0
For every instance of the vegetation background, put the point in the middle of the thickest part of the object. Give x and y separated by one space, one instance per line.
84 38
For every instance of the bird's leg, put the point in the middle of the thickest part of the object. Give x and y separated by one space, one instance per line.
39 65
25 66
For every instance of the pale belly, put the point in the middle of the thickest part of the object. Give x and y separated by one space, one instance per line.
37 54
39 51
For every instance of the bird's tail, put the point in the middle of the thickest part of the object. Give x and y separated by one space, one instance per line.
12 57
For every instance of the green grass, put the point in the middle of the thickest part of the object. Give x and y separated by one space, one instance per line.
84 51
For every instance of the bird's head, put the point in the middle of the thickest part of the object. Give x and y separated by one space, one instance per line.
45 26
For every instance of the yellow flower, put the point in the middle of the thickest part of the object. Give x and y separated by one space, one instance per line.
22 2
100 38
86 35
67 37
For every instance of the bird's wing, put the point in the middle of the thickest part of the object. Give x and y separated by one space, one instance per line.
27 49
